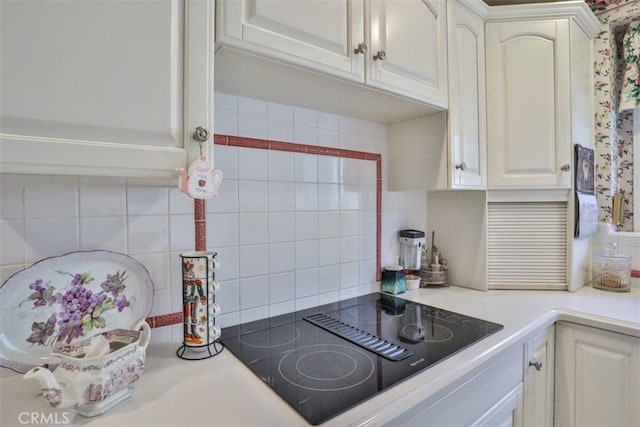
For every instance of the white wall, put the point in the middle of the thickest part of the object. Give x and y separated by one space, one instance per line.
271 237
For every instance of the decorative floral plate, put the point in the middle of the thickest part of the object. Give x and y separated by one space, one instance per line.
68 297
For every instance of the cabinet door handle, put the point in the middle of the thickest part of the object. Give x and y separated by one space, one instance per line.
201 134
565 168
461 166
362 48
537 364
381 55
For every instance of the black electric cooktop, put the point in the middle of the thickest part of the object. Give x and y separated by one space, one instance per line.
326 359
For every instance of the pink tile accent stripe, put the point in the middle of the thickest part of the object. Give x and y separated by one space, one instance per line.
165 320
200 223
236 141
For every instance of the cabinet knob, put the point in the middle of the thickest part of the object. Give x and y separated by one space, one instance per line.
201 134
565 168
461 166
537 364
381 55
362 48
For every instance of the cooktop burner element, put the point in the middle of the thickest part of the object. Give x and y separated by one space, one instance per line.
326 367
322 372
274 337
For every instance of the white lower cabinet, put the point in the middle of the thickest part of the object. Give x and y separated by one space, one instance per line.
539 355
597 377
489 396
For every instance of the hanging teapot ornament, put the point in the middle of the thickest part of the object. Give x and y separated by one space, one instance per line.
200 181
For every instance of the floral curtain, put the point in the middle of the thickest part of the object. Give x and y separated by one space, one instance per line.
630 91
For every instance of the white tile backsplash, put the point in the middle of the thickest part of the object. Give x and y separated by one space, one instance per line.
12 245
51 200
328 251
328 279
306 283
181 232
252 164
280 131
279 112
291 230
306 254
178 203
280 165
252 196
148 233
226 201
349 276
281 257
280 226
280 197
109 233
147 200
254 260
98 200
253 228
252 108
306 196
226 159
46 237
328 197
328 138
306 225
281 287
224 103
252 128
254 292
11 197
328 224
305 168
305 134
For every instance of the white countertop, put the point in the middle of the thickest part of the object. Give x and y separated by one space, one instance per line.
221 391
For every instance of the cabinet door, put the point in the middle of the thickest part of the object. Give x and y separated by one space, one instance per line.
467 111
408 49
539 379
317 34
597 377
100 87
528 104
506 413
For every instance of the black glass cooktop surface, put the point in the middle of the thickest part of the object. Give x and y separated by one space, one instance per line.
326 359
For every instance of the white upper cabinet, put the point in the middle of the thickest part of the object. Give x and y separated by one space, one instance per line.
397 46
316 33
409 48
539 76
528 108
467 165
102 87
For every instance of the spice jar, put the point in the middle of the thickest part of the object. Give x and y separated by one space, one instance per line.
612 270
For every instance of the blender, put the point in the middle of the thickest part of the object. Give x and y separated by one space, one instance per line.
411 244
